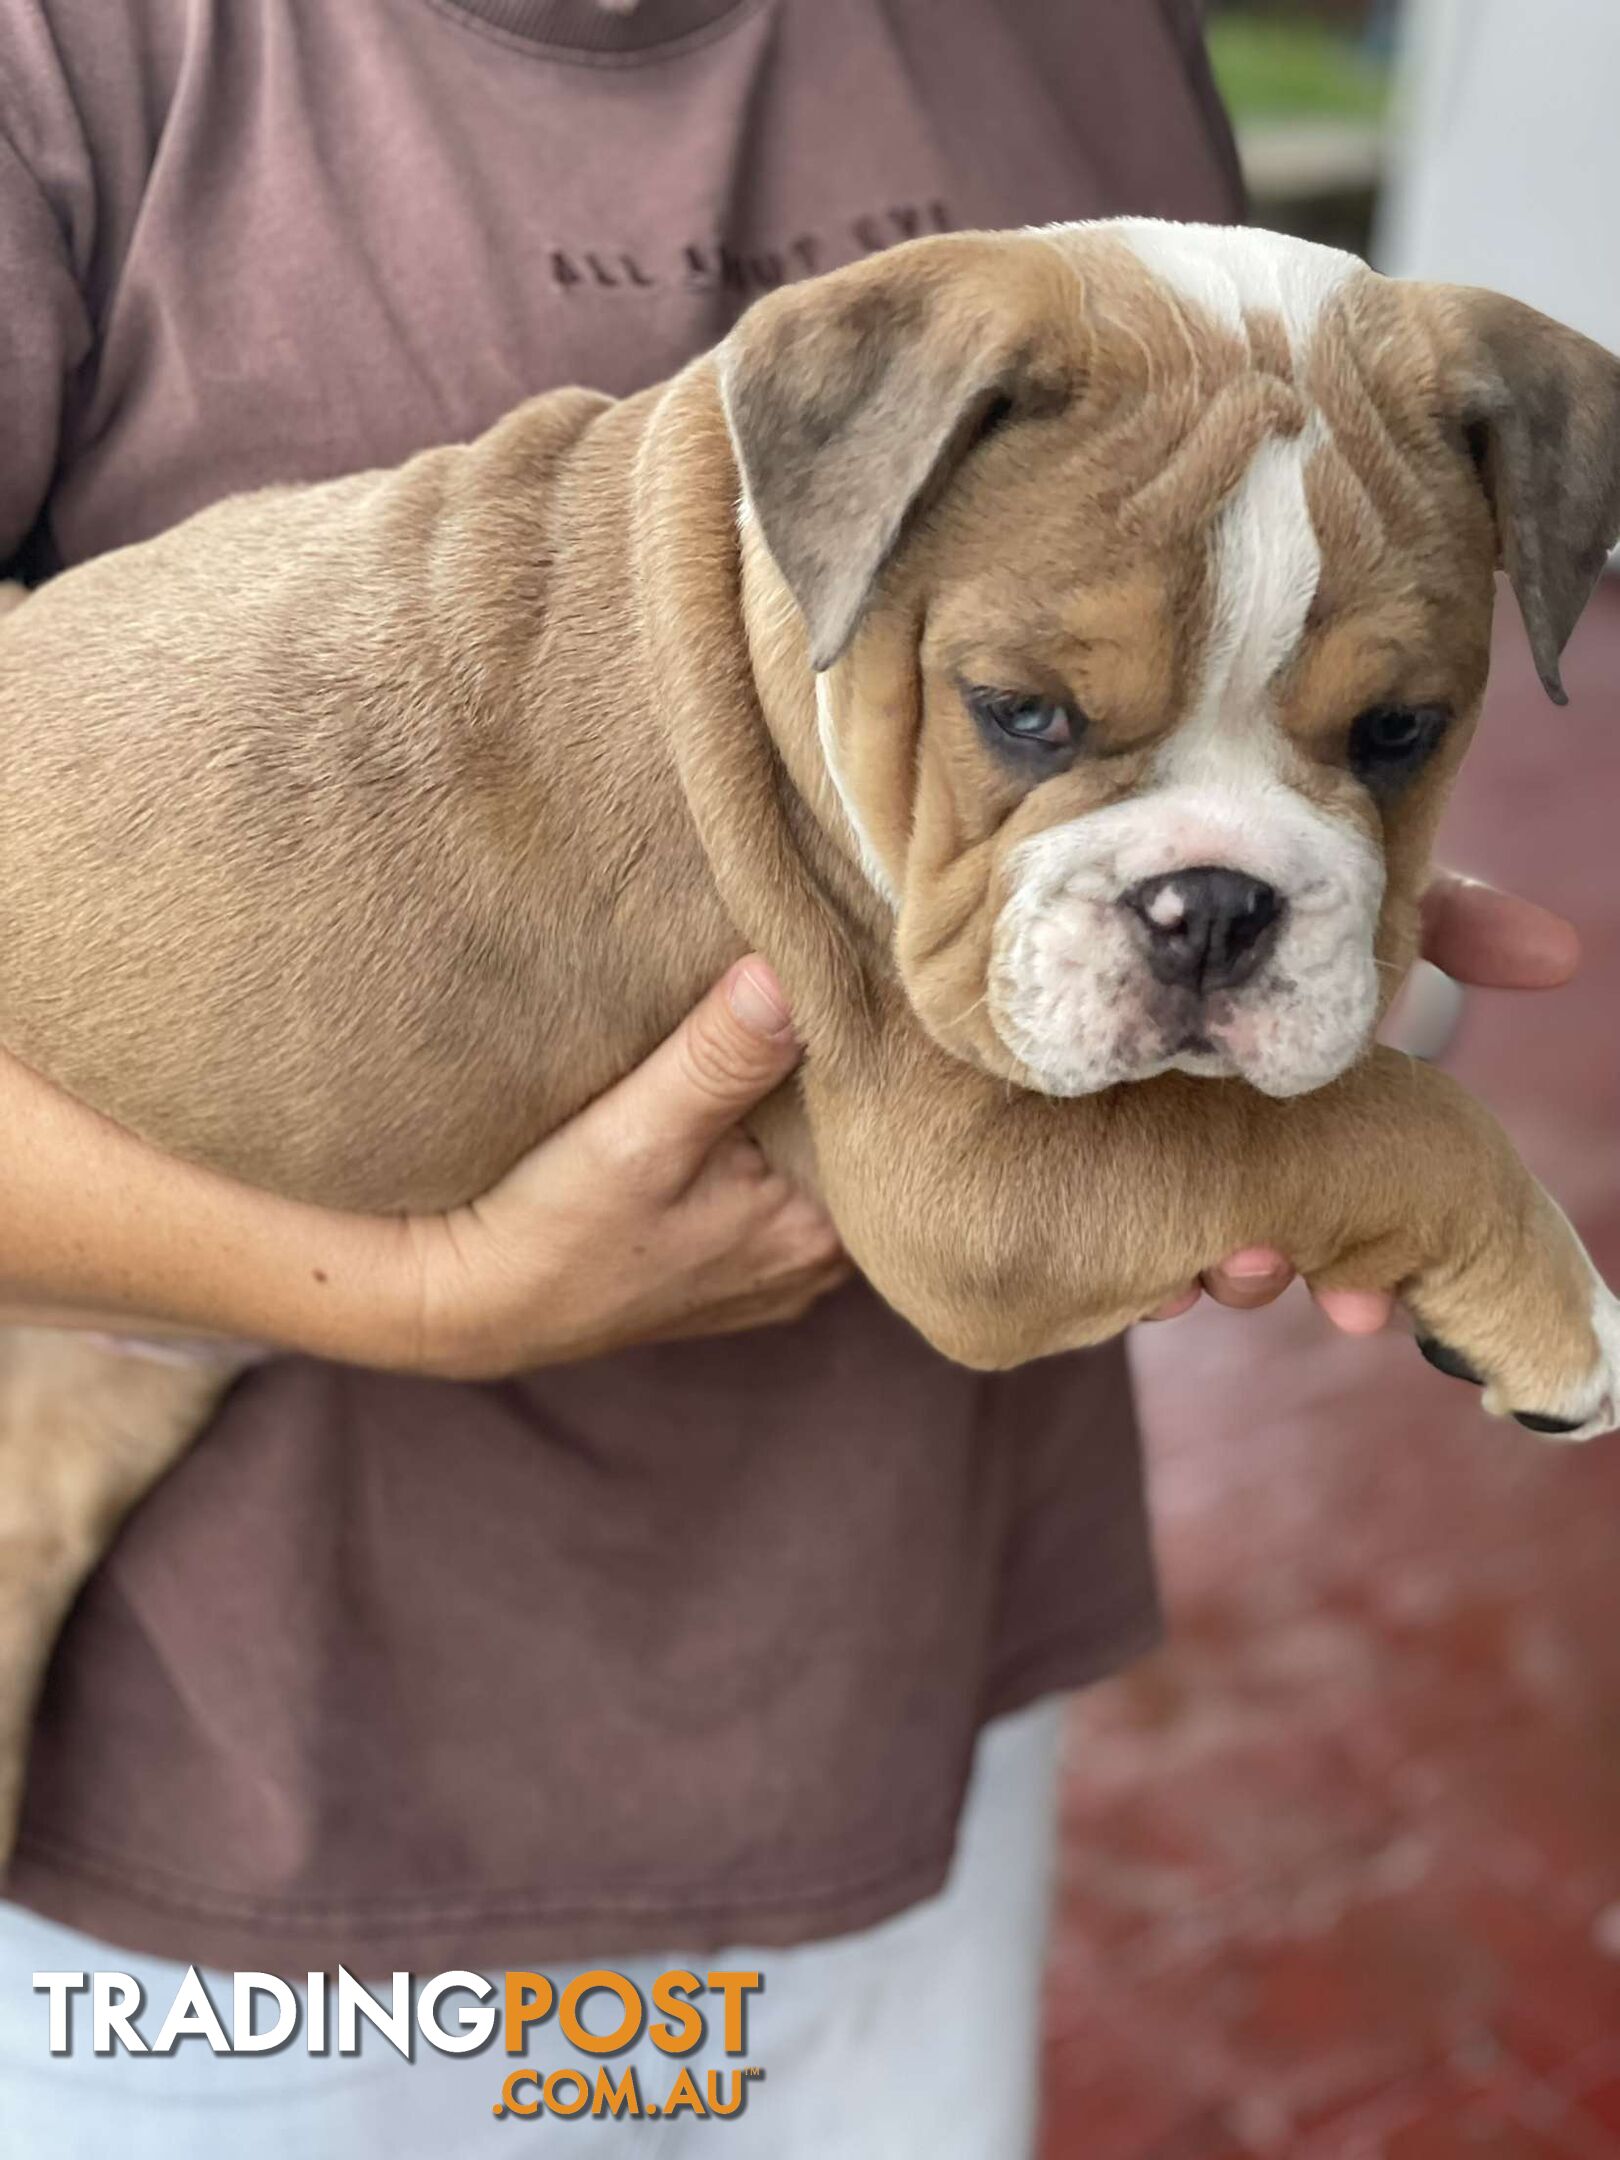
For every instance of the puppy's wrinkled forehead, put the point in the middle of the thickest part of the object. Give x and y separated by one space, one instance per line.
853 400
1265 411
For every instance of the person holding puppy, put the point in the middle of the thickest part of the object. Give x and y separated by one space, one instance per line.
695 1629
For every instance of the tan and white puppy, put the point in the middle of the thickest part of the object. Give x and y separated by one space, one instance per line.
1052 649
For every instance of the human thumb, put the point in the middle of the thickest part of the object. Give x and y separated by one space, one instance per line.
734 1048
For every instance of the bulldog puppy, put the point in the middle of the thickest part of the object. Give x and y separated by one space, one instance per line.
1052 649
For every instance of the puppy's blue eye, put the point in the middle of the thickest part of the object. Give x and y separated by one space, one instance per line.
1389 742
1027 717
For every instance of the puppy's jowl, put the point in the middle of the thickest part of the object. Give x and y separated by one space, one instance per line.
1051 649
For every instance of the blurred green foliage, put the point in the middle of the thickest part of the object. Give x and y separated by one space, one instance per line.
1273 67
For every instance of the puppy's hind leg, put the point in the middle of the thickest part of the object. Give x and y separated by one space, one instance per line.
86 1429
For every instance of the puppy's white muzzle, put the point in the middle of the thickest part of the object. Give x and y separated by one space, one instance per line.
1082 991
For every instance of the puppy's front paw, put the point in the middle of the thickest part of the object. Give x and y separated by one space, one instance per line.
1582 1408
1594 1405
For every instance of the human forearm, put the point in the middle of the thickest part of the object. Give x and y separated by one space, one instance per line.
647 1216
97 1228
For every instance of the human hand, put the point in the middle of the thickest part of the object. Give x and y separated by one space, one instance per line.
649 1216
1477 935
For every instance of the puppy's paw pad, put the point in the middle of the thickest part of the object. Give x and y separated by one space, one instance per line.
1559 1428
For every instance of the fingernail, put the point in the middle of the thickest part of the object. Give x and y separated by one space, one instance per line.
1357 1312
1173 1308
1255 1265
755 996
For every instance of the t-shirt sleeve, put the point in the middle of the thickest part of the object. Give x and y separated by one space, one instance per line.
45 331
1187 22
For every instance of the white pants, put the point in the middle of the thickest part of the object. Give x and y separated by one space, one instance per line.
915 2040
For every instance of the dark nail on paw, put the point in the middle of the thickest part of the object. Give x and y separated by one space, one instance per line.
1451 1362
1532 1423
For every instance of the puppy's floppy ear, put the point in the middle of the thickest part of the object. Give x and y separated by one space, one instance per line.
849 399
1541 407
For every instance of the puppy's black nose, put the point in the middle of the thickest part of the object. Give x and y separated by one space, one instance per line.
1207 929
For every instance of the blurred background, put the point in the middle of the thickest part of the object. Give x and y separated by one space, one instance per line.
1341 1866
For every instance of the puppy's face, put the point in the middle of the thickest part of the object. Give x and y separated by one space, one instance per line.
1143 725
1184 665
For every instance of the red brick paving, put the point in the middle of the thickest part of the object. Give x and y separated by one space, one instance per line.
1342 1865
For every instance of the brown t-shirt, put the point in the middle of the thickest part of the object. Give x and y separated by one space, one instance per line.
688 1644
